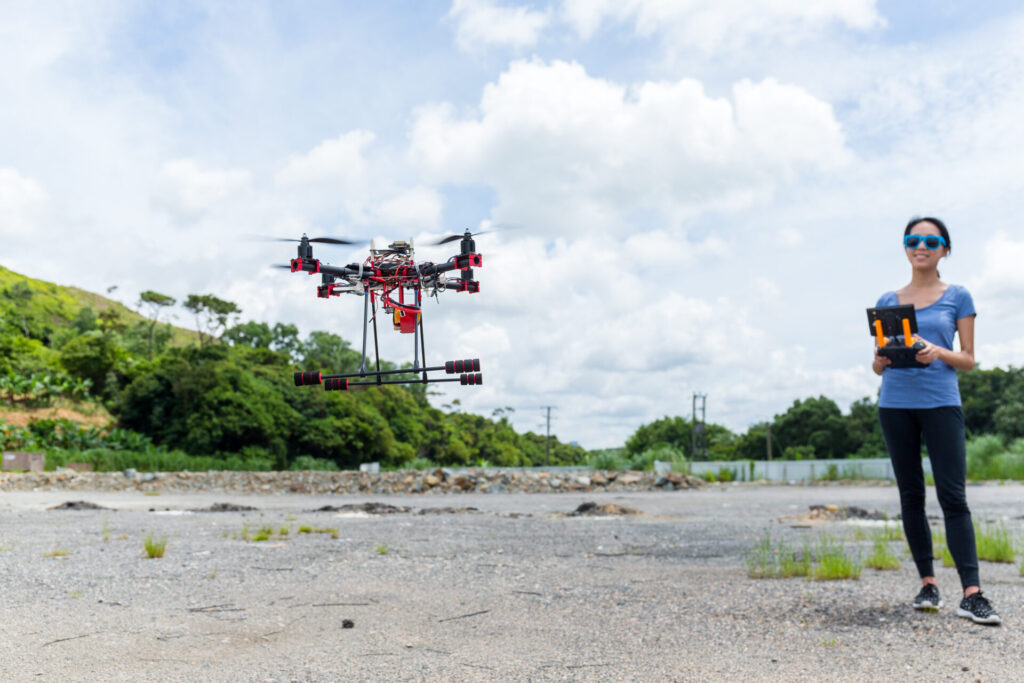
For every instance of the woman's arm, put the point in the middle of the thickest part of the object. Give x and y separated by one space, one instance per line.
962 359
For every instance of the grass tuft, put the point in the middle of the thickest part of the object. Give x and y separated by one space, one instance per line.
768 561
305 529
382 549
155 547
882 557
263 534
59 552
994 543
833 563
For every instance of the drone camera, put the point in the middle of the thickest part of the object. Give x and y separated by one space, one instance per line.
471 379
307 378
336 384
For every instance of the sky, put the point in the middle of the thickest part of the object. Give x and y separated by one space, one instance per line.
690 195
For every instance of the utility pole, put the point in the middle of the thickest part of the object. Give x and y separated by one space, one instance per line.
698 443
547 439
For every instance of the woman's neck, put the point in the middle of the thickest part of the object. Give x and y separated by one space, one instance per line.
925 279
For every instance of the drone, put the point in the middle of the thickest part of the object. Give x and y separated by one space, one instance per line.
391 280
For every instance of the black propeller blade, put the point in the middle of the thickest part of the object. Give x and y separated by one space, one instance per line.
453 238
321 240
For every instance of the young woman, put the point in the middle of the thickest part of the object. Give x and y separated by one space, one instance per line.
924 403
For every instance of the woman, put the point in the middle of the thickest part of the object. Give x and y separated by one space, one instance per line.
924 403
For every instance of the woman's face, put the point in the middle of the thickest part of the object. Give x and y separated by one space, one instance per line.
921 257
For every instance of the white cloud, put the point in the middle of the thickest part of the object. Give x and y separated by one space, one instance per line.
715 25
187 191
571 153
21 201
339 163
483 23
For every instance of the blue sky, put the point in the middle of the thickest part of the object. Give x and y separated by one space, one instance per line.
688 180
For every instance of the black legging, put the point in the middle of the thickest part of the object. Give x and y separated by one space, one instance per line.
943 432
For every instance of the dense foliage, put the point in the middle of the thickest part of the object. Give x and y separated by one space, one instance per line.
222 398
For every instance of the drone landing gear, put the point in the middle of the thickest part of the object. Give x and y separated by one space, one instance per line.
467 371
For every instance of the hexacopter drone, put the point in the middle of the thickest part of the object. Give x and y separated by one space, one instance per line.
391 279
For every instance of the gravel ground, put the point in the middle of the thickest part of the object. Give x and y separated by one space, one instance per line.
512 591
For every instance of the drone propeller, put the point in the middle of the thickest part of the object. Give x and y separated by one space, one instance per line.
453 238
321 240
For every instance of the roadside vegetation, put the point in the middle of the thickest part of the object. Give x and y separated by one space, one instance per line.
222 397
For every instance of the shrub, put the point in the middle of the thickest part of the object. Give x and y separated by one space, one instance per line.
308 462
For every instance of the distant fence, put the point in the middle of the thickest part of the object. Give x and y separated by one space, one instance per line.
802 470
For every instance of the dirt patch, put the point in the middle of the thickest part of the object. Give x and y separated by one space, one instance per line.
226 507
78 505
838 513
449 511
591 509
20 417
371 508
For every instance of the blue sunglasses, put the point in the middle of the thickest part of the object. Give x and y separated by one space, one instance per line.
930 241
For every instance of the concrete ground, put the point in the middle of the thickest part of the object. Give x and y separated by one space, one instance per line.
512 591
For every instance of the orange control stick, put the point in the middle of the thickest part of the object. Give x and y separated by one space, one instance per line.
908 340
878 334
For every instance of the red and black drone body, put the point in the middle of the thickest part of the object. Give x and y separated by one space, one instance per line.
391 279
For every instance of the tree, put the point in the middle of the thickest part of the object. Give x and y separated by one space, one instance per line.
91 356
330 353
155 303
814 422
252 334
212 315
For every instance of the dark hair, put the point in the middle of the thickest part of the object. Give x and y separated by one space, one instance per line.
937 223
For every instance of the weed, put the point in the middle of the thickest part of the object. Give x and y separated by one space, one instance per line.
290 518
994 543
882 556
213 574
766 561
75 595
327 530
151 493
893 532
263 534
860 535
382 549
283 531
59 552
106 531
829 642
946 556
155 547
305 529
1021 567
833 562
245 532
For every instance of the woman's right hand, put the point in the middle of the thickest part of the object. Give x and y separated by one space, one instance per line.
881 363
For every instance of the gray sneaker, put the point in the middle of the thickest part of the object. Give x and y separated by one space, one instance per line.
976 607
928 598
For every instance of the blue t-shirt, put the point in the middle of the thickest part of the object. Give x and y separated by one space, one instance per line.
935 385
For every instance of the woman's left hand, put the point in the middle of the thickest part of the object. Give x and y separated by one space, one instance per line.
929 354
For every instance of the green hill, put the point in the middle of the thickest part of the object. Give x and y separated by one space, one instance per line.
221 400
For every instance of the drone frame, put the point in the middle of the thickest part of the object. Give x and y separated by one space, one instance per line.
368 280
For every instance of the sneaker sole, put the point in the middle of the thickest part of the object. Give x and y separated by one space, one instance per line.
991 619
923 606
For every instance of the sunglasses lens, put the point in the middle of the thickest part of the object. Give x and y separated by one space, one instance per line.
932 242
911 241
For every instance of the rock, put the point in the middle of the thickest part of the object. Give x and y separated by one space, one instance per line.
582 481
78 505
629 478
130 473
432 480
